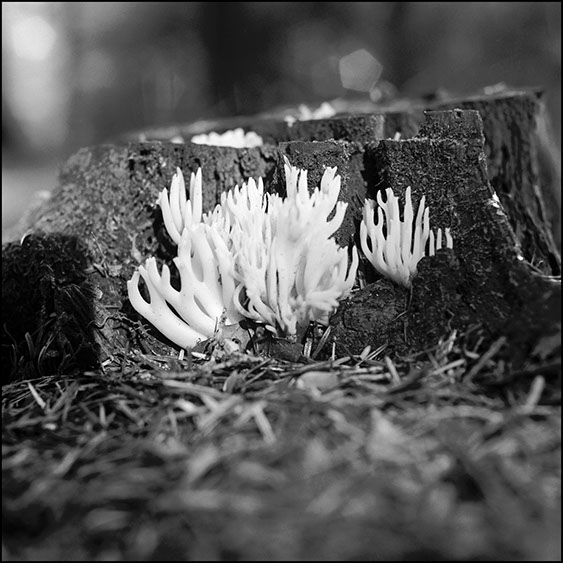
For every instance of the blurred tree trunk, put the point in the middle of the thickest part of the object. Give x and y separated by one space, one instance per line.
243 57
13 138
403 60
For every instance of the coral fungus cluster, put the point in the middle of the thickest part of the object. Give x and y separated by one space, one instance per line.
269 258
236 138
397 253
256 255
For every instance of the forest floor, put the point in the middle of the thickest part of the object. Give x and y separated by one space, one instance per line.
447 455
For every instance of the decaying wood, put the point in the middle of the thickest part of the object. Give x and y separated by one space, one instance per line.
485 280
513 126
500 274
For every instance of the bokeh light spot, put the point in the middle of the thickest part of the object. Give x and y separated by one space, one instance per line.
33 38
359 70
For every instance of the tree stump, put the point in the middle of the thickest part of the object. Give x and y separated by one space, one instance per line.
64 283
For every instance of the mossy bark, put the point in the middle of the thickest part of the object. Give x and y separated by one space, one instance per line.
512 125
485 280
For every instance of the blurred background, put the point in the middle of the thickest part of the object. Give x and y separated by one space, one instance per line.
81 73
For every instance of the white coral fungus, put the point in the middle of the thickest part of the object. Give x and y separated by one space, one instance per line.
397 253
256 255
291 271
324 111
236 138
